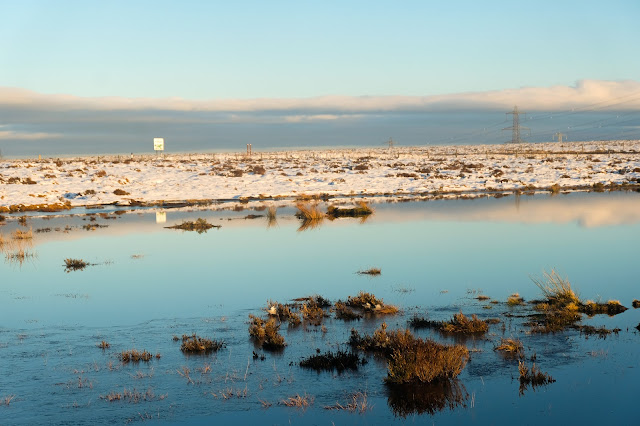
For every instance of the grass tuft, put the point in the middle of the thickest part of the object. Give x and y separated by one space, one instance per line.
134 355
463 325
298 401
371 271
75 264
533 377
200 345
199 226
329 361
511 347
369 303
266 333
363 209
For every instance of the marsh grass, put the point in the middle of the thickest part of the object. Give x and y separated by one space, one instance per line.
200 345
361 210
309 211
556 290
75 264
411 359
133 355
356 403
371 272
104 345
200 226
611 308
298 401
330 361
6 400
19 255
601 332
461 324
266 333
343 312
511 348
635 303
419 322
283 313
369 303
532 377
515 299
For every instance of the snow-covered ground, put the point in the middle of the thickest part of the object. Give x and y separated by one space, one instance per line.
401 171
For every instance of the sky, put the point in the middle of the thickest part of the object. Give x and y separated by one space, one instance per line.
307 61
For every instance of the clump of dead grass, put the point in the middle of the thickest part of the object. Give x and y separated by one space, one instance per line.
369 303
201 345
344 312
199 226
134 355
329 361
283 313
298 401
556 290
371 271
6 400
104 345
19 234
309 211
532 377
635 303
515 299
266 333
511 347
462 324
356 403
411 359
361 210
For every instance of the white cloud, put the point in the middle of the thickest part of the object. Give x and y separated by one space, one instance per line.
585 94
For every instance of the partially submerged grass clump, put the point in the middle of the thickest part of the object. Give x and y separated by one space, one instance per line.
611 308
344 312
371 271
602 332
556 290
201 345
511 348
298 401
462 324
329 361
283 313
515 299
362 210
533 377
134 355
411 359
266 333
104 345
369 303
310 214
74 264
356 402
19 234
200 226
635 303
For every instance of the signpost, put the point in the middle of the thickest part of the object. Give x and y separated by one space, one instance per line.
158 144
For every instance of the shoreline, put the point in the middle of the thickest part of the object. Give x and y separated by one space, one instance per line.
400 173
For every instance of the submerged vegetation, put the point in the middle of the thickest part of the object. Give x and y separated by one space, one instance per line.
371 271
361 210
75 264
532 376
458 324
368 303
266 333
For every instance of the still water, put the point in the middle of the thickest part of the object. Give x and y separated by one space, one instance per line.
148 283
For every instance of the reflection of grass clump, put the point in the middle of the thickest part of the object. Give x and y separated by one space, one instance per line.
533 376
340 361
195 344
200 226
411 359
421 398
367 302
19 234
266 333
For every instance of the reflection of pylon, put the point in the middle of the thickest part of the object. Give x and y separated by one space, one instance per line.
391 143
515 128
560 136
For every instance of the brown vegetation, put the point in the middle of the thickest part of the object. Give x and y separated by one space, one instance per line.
266 333
133 355
195 344
200 226
369 303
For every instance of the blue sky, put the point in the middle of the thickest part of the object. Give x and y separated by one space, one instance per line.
293 49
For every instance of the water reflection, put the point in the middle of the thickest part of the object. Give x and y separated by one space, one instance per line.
408 399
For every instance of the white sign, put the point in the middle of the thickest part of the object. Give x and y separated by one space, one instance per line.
158 144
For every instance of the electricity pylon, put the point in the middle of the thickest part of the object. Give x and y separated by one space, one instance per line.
516 128
560 136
